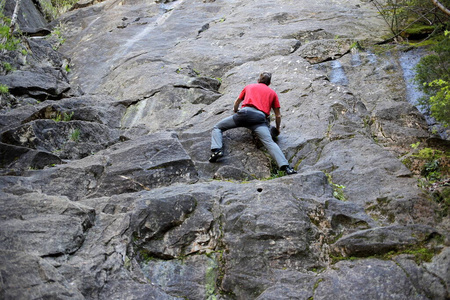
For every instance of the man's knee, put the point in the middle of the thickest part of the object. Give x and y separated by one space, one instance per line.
263 134
219 127
225 124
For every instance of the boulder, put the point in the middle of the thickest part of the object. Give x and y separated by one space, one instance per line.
68 140
16 160
382 240
41 74
440 271
27 276
373 278
142 164
168 227
270 231
422 277
90 108
43 225
35 83
323 50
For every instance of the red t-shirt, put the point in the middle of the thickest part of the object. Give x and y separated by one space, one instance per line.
260 96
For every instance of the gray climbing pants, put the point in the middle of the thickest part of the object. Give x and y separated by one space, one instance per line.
254 120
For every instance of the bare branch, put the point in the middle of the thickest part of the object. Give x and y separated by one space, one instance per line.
441 7
14 17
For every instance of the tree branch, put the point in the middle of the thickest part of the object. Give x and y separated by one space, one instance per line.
441 7
14 17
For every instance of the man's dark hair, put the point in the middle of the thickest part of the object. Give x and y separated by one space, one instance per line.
265 77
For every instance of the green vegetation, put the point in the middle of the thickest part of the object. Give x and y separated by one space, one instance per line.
432 167
4 90
276 174
412 19
355 45
316 285
8 41
433 164
57 118
421 23
75 135
57 37
65 117
433 78
7 67
338 190
337 258
145 255
211 276
54 8
420 254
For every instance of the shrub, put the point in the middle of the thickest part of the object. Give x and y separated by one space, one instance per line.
8 41
338 190
412 18
4 89
75 135
54 8
56 37
433 78
65 117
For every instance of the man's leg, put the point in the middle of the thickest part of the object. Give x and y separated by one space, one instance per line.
263 133
217 137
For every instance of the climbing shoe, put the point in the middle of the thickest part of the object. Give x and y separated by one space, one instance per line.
288 170
215 155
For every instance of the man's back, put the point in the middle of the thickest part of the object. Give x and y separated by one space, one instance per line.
260 96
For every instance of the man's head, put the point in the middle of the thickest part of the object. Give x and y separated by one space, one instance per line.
265 78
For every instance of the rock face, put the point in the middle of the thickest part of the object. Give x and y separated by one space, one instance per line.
107 192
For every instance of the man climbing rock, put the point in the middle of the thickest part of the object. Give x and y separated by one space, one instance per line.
257 100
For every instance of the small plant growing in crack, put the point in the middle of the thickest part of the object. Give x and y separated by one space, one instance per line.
338 190
75 135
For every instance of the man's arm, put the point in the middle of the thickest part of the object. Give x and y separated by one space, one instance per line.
236 104
277 118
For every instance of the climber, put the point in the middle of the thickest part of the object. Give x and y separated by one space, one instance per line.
257 100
